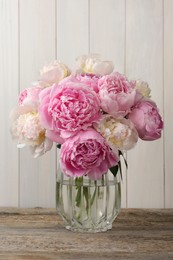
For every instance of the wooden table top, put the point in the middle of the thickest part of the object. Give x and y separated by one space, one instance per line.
39 234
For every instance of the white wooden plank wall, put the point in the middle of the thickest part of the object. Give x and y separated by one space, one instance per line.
37 47
144 59
137 35
168 104
9 169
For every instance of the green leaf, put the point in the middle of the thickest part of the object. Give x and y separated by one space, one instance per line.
114 170
125 161
119 164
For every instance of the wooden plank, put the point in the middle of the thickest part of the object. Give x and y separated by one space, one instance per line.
40 234
168 94
107 30
144 59
37 48
72 30
8 97
107 38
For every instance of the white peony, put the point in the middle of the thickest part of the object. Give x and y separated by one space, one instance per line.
92 64
119 133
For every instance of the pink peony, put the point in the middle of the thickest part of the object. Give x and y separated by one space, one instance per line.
30 96
117 94
91 80
147 120
87 154
68 108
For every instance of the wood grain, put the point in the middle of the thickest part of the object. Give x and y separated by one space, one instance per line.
39 234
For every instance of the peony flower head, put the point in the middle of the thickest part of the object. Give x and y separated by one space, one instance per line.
92 64
87 154
147 120
27 129
68 108
30 96
90 80
119 133
54 73
94 113
40 84
143 88
39 150
117 94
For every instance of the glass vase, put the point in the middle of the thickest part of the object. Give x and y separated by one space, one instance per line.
86 205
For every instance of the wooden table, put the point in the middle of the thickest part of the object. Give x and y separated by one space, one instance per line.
39 234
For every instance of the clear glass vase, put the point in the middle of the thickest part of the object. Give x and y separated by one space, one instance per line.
86 205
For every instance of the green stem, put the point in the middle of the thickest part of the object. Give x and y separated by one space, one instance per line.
88 199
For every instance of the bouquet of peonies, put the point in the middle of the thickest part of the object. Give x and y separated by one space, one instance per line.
93 113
